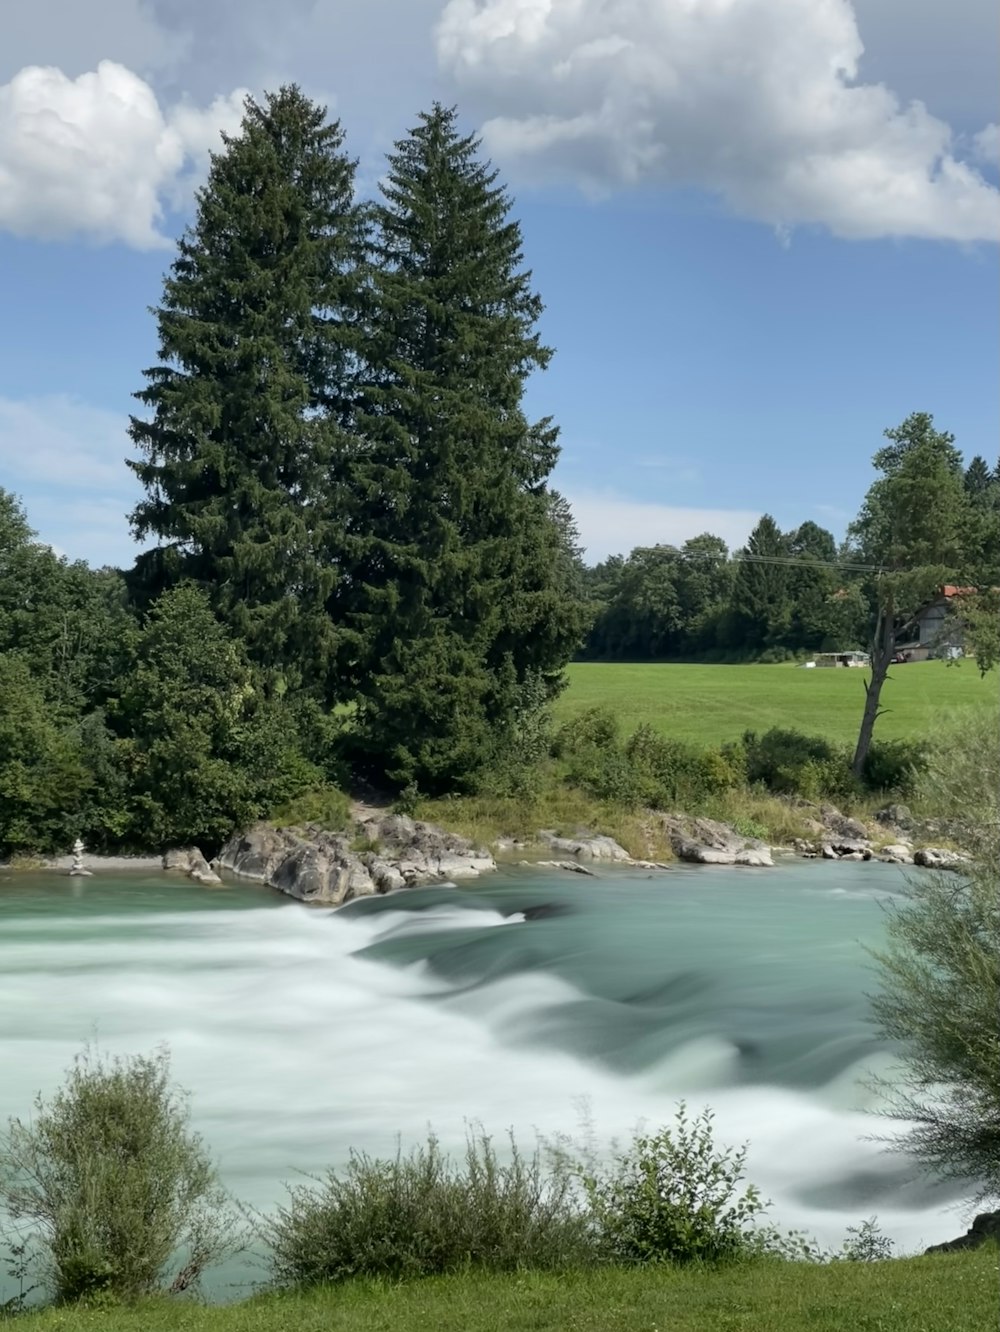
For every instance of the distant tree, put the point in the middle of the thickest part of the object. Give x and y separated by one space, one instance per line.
979 480
248 405
760 598
913 525
703 578
457 604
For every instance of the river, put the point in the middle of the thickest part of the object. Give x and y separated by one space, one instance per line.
532 1000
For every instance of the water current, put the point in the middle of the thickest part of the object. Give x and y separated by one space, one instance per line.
531 1000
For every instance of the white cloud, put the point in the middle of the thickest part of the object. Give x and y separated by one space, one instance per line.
756 100
986 145
66 459
97 156
613 524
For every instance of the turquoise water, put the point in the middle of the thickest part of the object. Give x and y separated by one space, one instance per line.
528 1001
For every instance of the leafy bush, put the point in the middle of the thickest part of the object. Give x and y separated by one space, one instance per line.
866 1243
670 772
673 1197
895 765
421 1215
790 763
116 1183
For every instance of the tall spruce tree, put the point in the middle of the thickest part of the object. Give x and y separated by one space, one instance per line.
761 601
257 329
458 597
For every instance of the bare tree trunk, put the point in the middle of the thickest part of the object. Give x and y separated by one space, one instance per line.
883 651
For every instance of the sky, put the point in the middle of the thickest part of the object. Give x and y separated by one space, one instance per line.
763 230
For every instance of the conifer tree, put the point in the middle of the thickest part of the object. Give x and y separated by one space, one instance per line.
761 600
248 404
458 596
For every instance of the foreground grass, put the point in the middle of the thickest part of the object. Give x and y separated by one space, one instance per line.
945 1293
709 705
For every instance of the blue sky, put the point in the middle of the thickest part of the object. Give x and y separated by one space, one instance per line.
763 230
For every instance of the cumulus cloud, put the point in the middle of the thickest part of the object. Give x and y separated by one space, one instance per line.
986 145
758 101
614 524
97 156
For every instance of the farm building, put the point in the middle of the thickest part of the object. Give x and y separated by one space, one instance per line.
938 630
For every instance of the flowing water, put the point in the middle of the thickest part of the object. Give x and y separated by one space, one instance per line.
527 1001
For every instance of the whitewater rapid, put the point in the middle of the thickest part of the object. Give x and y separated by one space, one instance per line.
302 1033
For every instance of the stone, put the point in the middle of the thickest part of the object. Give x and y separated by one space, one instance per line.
589 848
985 1227
318 866
897 854
938 858
897 816
701 841
570 866
190 861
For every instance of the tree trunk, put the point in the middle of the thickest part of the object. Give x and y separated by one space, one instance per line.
883 651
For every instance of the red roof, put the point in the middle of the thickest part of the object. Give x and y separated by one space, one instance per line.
949 591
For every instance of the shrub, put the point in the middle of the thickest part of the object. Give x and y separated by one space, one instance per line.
673 1197
866 1243
119 1187
593 759
894 765
669 772
421 1214
790 763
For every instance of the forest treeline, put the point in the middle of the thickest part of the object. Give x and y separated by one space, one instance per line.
355 565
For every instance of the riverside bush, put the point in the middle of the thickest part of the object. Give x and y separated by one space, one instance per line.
895 766
673 1196
790 763
422 1214
121 1192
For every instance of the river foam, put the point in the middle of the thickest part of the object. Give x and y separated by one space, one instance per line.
302 1033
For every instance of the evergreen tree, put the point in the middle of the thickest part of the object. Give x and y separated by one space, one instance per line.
978 480
456 600
761 603
256 329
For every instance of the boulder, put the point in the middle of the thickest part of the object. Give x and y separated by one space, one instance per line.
701 841
315 865
191 862
895 816
588 848
985 1227
897 854
937 858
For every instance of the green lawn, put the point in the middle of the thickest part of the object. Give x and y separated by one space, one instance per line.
712 704
948 1293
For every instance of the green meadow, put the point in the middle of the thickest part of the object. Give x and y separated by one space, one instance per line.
953 1293
711 704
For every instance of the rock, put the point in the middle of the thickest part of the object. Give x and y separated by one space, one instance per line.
191 862
897 854
314 865
590 848
570 866
897 816
700 841
937 858
828 853
985 1227
853 828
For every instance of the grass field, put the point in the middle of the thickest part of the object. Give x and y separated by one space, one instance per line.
948 1293
711 704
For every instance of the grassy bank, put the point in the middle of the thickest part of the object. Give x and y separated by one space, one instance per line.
569 813
955 1292
710 705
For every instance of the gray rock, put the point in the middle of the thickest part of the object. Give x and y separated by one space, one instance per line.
938 858
589 848
570 866
897 854
985 1227
897 816
700 841
191 862
318 866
